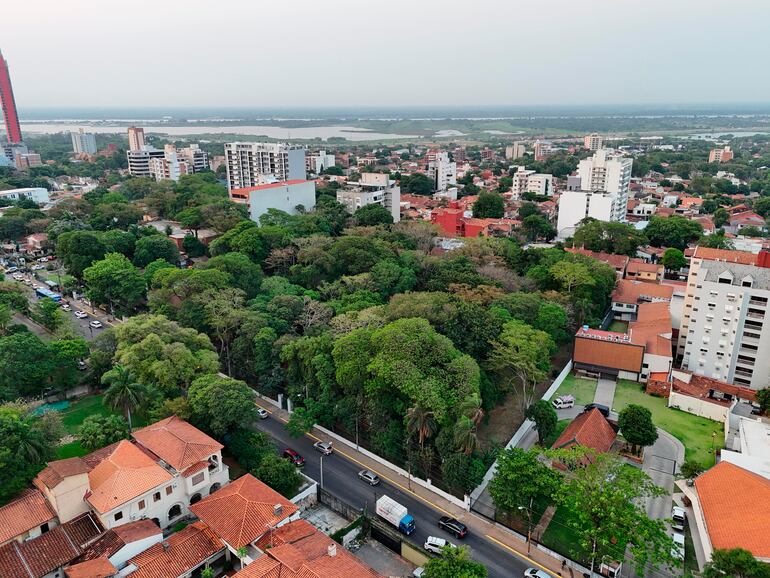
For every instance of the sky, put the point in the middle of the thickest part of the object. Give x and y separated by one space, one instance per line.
260 53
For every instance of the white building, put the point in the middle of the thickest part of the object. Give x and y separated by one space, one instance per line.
285 196
37 194
168 167
606 171
197 160
139 160
525 181
318 162
593 141
135 138
83 142
515 151
726 337
249 163
374 188
442 171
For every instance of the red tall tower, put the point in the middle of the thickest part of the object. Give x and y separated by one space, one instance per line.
12 128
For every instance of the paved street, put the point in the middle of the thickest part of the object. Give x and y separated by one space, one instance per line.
340 478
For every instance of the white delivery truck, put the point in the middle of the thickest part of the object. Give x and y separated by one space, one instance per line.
394 513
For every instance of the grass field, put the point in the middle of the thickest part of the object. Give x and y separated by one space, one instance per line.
582 389
79 410
693 431
70 450
559 537
619 326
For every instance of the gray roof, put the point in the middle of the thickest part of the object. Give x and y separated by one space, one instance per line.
760 275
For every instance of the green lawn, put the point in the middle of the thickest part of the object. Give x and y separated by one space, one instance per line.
70 450
693 431
619 326
582 389
79 410
559 537
561 425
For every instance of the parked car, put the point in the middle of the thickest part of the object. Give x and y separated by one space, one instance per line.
453 526
294 457
563 402
10 270
603 409
43 260
96 324
677 550
436 545
418 572
369 477
535 573
678 518
82 366
81 314
37 267
65 306
324 447
262 413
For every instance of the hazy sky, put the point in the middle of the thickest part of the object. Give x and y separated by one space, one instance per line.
381 53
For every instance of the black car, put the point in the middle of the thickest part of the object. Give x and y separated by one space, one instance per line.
453 526
603 409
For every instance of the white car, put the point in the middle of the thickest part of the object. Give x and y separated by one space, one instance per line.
677 550
418 572
563 402
324 447
81 314
262 413
436 545
65 306
678 518
96 324
535 573
43 260
37 267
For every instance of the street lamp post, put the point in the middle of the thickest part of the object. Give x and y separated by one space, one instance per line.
529 524
322 472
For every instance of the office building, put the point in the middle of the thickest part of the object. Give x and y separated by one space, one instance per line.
726 303
442 171
139 160
722 155
83 142
10 115
37 194
525 181
285 196
135 138
593 141
373 188
252 163
515 151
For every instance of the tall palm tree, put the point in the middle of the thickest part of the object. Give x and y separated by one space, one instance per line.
124 392
465 437
31 445
420 421
471 408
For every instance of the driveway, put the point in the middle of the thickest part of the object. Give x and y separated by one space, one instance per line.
661 461
605 392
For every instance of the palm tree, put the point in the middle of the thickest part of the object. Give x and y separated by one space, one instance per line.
124 392
471 408
465 435
31 445
420 421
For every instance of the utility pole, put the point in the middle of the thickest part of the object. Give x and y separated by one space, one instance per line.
322 472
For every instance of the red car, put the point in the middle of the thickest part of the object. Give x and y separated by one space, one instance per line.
295 458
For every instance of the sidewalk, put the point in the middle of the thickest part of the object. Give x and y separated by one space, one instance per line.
492 531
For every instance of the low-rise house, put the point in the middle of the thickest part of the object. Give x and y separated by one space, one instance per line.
589 430
298 550
98 568
640 270
617 262
27 516
119 545
628 294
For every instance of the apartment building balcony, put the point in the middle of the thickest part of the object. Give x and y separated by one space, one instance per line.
744 372
746 362
755 315
758 302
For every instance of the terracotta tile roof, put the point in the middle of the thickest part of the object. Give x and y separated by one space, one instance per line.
113 540
700 386
736 507
177 443
56 471
613 351
728 255
243 510
125 474
590 430
179 554
639 266
298 550
652 328
97 568
28 511
54 549
628 291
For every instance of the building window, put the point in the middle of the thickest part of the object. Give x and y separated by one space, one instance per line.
44 528
118 516
197 479
142 505
156 497
169 489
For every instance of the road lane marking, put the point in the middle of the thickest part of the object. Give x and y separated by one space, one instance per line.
520 555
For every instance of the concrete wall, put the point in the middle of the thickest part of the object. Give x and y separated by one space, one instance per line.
698 407
284 197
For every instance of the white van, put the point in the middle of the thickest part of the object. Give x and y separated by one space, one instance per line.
563 402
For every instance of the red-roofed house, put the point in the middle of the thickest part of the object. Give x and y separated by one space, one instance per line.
27 516
589 430
617 262
120 544
629 294
640 270
731 508
243 511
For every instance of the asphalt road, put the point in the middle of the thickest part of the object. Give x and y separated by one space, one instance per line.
341 479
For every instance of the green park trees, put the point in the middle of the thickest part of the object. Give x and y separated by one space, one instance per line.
221 403
115 282
489 206
635 422
454 563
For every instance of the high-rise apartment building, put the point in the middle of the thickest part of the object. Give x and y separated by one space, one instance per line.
252 163
168 166
722 155
373 188
139 160
442 171
725 331
606 171
11 116
197 160
593 141
542 150
515 151
525 181
135 138
83 142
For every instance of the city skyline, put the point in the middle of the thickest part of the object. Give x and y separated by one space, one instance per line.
409 55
